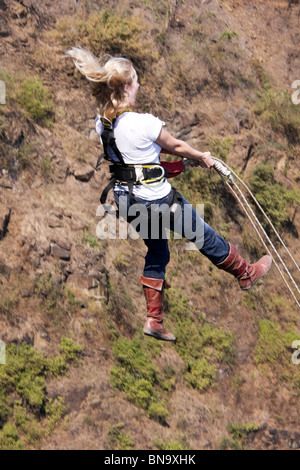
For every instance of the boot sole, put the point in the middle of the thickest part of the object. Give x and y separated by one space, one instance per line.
148 332
253 283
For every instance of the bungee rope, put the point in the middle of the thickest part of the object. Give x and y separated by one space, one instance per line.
226 173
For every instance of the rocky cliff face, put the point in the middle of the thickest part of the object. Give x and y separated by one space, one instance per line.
220 74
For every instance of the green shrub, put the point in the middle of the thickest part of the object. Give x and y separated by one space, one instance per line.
201 346
55 410
24 373
9 299
276 108
218 343
221 148
27 425
46 167
122 262
46 288
200 374
70 352
34 97
134 373
274 198
57 365
5 406
158 412
9 439
23 393
53 298
37 101
224 60
140 391
172 445
90 239
273 343
118 439
229 444
50 293
108 32
26 155
69 349
227 35
240 433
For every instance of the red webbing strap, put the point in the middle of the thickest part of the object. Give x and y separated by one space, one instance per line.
173 168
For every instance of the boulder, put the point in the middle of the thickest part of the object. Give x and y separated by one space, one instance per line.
59 252
4 28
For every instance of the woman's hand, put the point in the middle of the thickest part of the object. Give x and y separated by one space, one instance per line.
206 160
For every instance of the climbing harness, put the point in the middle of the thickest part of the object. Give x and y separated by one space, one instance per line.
227 175
130 174
121 172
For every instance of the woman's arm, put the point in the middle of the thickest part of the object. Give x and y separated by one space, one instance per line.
180 148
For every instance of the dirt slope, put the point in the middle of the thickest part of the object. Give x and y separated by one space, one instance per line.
201 73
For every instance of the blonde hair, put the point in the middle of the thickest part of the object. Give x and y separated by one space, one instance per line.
108 76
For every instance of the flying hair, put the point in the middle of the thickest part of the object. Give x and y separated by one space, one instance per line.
108 76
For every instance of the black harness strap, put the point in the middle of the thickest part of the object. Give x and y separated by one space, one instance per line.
106 190
108 139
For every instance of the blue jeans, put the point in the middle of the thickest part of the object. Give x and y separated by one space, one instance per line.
187 223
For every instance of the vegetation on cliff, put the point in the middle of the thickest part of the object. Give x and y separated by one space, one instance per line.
79 372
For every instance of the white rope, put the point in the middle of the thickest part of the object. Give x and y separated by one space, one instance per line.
264 214
224 170
259 224
266 247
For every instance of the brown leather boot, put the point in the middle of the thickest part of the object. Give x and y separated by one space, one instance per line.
154 294
247 274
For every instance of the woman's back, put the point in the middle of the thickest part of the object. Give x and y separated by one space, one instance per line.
135 136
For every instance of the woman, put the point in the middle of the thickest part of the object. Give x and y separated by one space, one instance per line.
139 139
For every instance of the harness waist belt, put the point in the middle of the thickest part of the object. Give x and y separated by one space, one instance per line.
137 173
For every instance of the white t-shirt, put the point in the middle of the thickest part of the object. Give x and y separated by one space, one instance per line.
135 136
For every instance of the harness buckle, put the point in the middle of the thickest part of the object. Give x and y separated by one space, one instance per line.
153 182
